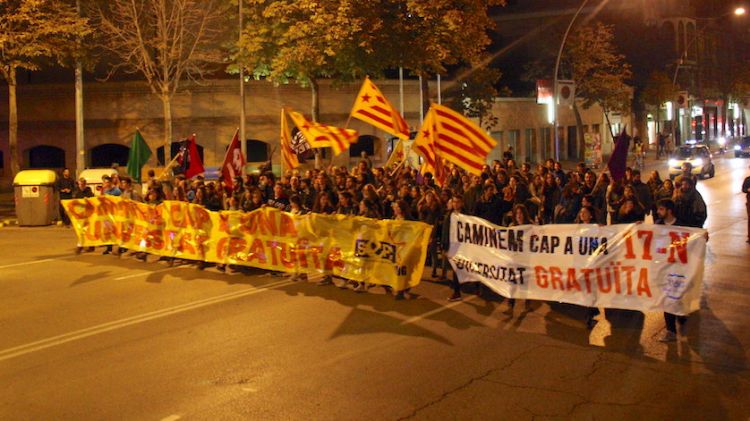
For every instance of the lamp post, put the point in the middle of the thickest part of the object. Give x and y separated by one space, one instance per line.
554 79
243 144
738 11
80 145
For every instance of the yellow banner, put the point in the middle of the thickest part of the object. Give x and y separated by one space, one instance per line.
381 252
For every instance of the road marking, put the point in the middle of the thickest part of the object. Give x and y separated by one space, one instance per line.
33 262
437 310
39 345
174 417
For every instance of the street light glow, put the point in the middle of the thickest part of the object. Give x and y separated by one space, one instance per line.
740 11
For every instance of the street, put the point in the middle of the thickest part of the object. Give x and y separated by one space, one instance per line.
102 337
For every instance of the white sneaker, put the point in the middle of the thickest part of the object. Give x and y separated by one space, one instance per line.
668 337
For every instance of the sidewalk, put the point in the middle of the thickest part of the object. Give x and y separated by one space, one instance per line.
7 206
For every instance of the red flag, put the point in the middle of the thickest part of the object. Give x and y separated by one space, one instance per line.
194 164
618 161
233 162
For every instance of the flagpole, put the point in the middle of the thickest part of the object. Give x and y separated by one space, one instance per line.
421 102
440 94
401 90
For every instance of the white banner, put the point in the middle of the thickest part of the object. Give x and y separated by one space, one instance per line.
641 267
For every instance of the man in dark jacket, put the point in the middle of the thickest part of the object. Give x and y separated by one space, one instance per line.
642 192
690 208
65 186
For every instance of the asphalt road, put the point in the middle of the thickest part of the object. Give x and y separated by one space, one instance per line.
101 337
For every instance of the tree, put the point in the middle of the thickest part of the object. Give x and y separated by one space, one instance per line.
475 94
33 33
426 36
307 40
165 41
658 90
600 72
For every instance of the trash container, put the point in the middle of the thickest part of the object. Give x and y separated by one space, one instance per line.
37 201
93 177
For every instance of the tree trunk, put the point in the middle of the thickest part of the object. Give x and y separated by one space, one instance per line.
579 129
425 94
15 159
166 101
315 112
315 105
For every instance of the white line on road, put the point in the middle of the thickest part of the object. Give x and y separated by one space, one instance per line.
437 310
39 345
174 417
34 262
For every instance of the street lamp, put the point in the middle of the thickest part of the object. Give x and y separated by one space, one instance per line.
554 81
740 11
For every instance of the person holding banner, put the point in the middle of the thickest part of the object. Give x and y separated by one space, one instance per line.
587 216
456 206
665 211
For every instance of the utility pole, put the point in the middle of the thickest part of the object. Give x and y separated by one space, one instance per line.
80 145
243 143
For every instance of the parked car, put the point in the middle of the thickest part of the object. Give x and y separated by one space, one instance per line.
699 156
742 148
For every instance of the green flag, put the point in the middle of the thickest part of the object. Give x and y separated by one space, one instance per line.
139 154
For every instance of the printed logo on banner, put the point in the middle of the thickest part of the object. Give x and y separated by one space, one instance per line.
366 249
675 286
380 250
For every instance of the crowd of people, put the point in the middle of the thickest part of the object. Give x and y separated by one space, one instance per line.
504 193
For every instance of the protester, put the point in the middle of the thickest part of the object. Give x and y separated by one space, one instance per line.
502 194
746 190
65 186
665 211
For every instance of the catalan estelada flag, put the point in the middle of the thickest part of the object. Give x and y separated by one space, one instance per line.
323 136
425 145
372 107
397 155
288 156
456 139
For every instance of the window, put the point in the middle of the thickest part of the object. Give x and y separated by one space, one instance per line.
497 151
364 143
529 146
257 150
545 138
513 139
44 156
103 156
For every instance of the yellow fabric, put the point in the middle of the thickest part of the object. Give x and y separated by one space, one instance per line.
323 136
288 156
381 252
372 107
397 155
